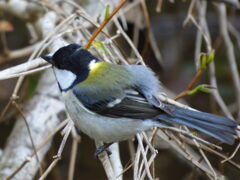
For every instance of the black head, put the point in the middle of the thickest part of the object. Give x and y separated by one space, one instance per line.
72 58
61 57
71 65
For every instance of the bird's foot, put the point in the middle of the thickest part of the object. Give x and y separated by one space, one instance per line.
100 149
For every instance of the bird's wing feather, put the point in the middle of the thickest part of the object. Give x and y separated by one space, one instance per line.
132 105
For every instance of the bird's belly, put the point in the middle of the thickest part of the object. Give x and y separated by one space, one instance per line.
99 127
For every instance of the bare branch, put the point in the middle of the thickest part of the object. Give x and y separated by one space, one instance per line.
223 21
14 54
104 158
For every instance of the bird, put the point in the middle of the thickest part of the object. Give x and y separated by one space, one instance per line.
113 102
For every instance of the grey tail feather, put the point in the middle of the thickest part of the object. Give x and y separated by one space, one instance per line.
219 127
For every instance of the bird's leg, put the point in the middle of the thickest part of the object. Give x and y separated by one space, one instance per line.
100 149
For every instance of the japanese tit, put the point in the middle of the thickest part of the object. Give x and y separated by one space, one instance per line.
110 102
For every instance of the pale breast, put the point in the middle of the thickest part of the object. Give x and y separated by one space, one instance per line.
99 127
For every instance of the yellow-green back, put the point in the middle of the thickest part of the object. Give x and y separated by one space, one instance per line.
105 75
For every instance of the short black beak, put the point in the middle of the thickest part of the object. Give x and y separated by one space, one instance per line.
48 59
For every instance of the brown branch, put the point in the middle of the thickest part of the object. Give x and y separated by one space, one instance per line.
3 112
190 85
19 168
127 167
104 23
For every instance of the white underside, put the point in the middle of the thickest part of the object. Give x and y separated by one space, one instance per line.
102 128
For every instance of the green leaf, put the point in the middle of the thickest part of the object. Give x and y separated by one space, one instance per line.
203 62
107 12
100 46
202 87
206 59
211 56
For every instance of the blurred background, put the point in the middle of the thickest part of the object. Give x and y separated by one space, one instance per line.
170 52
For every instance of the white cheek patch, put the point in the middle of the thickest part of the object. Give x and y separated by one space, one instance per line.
92 64
65 78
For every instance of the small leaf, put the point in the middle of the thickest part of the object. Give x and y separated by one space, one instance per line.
100 46
202 87
203 62
107 12
211 57
206 59
207 88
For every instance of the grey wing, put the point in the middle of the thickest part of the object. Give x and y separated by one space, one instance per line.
149 86
137 102
132 105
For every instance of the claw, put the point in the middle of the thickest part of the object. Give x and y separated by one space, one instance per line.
100 149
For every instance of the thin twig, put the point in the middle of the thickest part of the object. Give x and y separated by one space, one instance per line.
204 156
76 140
144 156
189 86
201 7
125 169
129 41
21 68
232 155
136 164
50 168
104 23
184 150
28 159
18 53
30 135
190 12
57 157
159 6
29 65
4 111
148 141
230 51
211 150
28 72
153 151
216 94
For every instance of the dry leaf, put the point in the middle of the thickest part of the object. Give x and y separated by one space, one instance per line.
6 26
